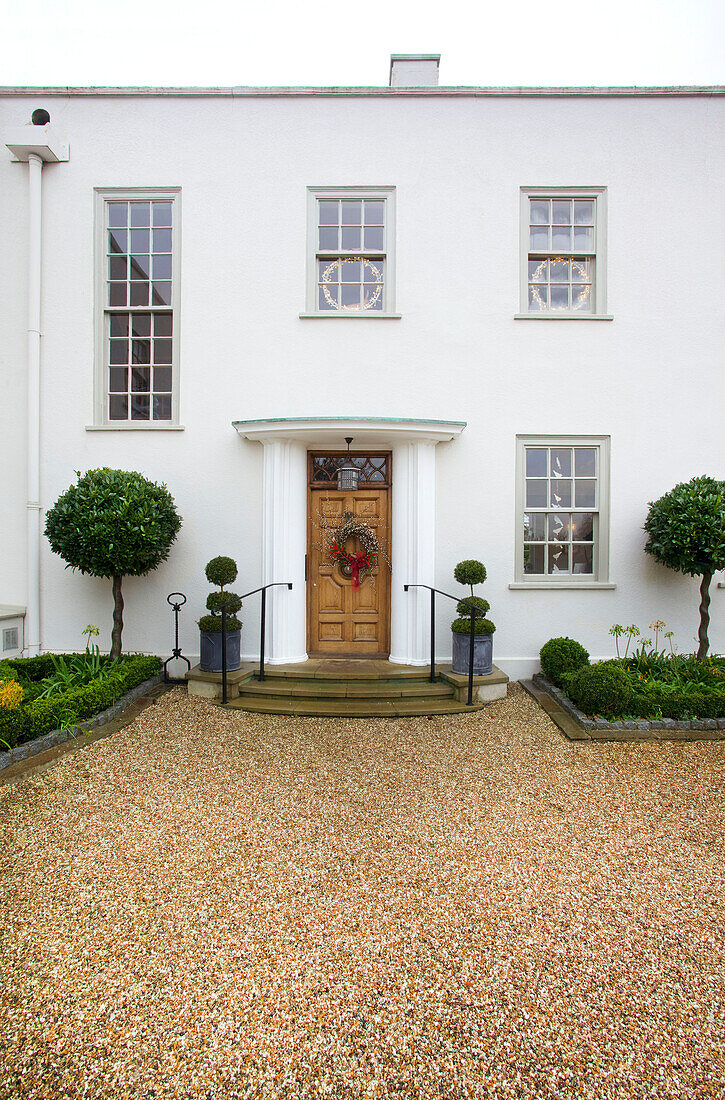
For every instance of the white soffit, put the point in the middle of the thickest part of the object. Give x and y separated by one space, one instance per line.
365 430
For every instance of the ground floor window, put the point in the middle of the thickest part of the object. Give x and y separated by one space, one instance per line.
562 508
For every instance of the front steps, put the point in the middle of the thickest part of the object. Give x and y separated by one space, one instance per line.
348 689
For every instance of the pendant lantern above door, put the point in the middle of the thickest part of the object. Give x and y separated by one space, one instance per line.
348 474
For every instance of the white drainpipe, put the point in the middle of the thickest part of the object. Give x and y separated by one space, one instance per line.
35 209
36 144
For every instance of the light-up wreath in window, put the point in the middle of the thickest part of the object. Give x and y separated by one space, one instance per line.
369 302
539 279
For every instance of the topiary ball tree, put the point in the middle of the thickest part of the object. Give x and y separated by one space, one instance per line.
470 572
686 529
221 571
113 523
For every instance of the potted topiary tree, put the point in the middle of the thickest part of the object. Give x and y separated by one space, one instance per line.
221 571
472 572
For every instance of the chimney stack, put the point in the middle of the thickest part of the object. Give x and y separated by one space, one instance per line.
414 70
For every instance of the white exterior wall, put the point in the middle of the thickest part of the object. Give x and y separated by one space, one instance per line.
652 378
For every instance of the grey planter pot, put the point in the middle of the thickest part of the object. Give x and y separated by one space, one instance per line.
210 659
482 654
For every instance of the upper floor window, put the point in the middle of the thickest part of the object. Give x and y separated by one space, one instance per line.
137 322
563 508
351 261
563 264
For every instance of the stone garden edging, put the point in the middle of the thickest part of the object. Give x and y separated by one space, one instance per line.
600 729
57 737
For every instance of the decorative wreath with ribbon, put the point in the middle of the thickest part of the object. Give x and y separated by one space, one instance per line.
363 560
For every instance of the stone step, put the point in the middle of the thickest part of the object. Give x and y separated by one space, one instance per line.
357 688
349 708
347 670
350 689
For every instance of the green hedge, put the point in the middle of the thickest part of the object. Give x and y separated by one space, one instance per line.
45 715
35 668
677 704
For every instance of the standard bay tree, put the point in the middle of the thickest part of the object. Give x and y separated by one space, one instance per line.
113 523
686 529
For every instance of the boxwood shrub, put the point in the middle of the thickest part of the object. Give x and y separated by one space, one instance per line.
463 607
560 656
212 624
41 716
603 688
463 626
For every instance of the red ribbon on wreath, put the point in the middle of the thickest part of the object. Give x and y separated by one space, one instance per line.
358 561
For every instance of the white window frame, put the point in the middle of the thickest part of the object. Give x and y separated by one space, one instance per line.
599 577
599 311
102 196
385 194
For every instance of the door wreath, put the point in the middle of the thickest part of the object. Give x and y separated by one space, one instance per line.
364 560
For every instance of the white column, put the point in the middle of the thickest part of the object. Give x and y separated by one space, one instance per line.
32 617
284 543
413 551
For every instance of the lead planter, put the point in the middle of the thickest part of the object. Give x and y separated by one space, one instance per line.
482 653
210 659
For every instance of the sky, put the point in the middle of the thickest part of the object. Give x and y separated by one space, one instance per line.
333 42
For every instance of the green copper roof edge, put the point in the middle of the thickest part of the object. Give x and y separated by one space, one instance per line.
360 419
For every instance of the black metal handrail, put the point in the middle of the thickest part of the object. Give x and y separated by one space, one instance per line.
223 609
457 599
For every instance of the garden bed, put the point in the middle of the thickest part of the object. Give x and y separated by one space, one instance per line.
48 698
646 692
581 727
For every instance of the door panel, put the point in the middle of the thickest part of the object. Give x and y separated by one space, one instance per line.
343 621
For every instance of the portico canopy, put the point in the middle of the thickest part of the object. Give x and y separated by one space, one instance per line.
286 441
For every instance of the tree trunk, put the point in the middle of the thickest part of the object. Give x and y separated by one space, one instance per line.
117 618
704 616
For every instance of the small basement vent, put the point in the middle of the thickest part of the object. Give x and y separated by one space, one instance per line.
10 638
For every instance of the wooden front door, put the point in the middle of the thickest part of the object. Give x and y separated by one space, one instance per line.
344 621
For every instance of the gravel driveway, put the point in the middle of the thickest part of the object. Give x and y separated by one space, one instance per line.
218 905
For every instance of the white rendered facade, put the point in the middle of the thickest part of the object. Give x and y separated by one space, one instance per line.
454 379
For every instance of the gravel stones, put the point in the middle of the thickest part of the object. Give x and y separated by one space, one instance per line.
219 904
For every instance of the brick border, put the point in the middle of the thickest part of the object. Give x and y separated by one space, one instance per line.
576 726
57 737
